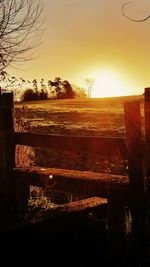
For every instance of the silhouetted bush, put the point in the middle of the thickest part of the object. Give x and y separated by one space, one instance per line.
43 95
30 95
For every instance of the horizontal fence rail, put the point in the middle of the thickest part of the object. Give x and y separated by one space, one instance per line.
78 182
91 144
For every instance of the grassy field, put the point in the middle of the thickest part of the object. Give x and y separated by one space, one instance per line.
76 116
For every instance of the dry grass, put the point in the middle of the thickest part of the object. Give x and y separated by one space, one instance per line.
78 116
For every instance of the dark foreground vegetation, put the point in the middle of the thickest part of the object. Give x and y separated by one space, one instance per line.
73 240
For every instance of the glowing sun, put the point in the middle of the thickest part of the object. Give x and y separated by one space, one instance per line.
108 84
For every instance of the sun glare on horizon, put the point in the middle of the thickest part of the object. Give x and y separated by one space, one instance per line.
108 84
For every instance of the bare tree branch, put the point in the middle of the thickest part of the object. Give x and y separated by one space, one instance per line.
20 30
89 86
126 16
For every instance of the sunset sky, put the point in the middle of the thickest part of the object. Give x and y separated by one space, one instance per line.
91 39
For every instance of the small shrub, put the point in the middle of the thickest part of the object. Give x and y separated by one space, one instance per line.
30 95
43 95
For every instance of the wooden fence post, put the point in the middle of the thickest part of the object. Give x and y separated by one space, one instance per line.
7 149
147 149
135 172
14 192
116 217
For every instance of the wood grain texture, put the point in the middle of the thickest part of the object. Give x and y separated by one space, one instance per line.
79 182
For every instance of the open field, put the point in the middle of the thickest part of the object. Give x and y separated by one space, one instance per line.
76 116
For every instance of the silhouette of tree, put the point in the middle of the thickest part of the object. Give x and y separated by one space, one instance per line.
79 91
20 30
43 93
126 16
56 85
63 89
52 92
35 86
58 82
89 86
69 93
43 85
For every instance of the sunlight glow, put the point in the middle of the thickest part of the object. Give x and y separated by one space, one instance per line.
109 84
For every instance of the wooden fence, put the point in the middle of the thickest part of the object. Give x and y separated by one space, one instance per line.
131 191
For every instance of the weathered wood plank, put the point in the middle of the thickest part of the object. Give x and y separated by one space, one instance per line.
81 205
79 182
135 170
73 143
9 188
7 147
147 148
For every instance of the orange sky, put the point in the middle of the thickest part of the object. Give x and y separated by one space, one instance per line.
84 37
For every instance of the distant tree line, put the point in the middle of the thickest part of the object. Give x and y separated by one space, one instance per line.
35 90
57 89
